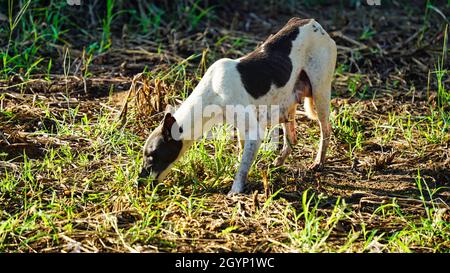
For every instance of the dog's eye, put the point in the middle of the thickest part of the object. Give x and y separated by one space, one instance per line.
150 159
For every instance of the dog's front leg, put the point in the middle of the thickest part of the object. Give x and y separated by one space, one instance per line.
250 150
241 140
253 134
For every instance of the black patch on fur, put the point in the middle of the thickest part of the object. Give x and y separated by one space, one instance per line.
260 69
163 154
163 148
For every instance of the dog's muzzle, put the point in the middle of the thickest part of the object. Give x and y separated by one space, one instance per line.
145 176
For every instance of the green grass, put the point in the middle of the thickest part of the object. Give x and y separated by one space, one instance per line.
50 212
56 192
106 24
347 128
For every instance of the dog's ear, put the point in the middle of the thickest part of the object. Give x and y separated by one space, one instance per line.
168 122
169 109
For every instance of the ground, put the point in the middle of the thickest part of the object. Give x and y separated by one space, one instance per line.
70 151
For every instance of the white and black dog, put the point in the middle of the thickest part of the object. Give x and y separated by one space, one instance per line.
296 62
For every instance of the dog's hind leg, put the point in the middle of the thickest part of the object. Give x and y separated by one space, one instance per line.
289 139
322 105
320 72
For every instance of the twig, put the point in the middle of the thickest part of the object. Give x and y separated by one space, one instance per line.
4 138
124 110
344 37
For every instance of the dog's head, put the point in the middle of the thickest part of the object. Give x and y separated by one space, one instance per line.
161 150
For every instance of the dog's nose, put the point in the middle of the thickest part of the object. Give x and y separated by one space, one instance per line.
142 178
145 176
144 173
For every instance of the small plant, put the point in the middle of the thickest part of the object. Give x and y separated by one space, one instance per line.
106 35
443 95
367 34
196 13
150 18
13 22
347 128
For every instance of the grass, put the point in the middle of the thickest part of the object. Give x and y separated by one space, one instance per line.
106 36
68 174
58 201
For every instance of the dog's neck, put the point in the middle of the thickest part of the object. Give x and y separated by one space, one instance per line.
191 118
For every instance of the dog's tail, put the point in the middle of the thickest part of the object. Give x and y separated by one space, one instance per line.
308 104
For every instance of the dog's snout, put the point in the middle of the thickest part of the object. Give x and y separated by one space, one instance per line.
144 173
144 176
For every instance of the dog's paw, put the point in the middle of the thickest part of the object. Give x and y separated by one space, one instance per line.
237 188
232 193
316 166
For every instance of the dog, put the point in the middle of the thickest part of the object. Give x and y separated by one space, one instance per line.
296 62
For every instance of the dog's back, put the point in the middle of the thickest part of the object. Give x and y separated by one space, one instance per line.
297 61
